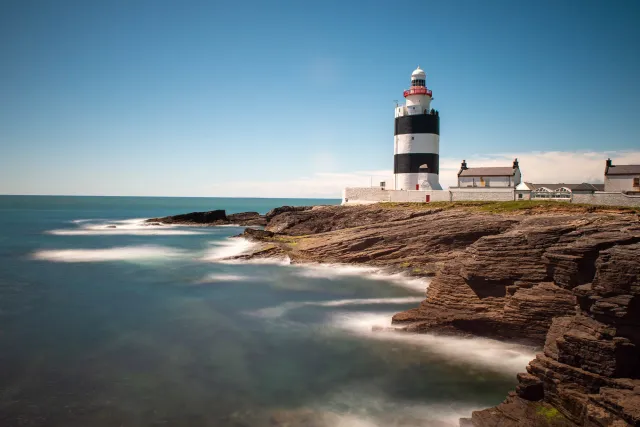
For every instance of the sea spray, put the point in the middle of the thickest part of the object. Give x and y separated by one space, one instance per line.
497 355
133 227
282 309
124 253
338 271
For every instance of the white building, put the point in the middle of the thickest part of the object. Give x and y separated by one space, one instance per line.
489 177
621 178
416 145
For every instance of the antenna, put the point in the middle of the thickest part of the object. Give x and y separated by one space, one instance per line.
396 101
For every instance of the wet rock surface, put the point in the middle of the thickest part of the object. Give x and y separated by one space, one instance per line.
564 278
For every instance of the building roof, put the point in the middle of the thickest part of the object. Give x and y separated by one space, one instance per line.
492 171
573 187
622 170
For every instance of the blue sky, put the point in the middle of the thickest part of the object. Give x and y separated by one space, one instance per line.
293 98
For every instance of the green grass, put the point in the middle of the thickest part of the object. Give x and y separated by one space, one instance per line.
549 414
518 206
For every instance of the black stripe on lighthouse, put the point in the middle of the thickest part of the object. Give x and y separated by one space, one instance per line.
418 123
411 162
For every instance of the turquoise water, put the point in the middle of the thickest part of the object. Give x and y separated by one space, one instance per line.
146 326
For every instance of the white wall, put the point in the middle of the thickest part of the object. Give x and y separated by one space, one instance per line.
489 181
517 178
421 102
620 183
421 143
373 195
408 181
482 194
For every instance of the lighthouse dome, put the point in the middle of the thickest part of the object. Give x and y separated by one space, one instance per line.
418 74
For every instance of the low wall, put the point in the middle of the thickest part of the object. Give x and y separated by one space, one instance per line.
482 194
373 195
607 199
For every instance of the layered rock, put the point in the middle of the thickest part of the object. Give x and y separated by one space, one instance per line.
568 279
589 371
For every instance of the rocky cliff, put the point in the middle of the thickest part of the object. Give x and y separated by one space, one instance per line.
562 276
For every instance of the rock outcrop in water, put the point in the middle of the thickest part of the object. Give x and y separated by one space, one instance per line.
217 217
560 275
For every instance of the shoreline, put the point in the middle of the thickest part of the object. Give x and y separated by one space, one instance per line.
529 273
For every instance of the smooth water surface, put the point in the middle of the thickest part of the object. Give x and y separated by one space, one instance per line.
149 326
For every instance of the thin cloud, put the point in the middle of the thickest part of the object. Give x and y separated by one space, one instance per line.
537 167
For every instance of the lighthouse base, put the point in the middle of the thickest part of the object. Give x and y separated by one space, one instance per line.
417 181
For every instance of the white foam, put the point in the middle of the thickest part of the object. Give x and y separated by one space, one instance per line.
337 271
136 226
370 407
228 248
481 351
264 261
212 278
125 253
280 310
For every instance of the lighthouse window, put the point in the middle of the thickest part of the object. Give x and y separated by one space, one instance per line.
417 83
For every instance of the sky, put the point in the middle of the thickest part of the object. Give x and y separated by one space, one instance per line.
296 98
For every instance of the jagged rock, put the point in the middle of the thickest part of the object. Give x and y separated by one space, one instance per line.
194 218
217 217
247 218
277 211
254 234
566 278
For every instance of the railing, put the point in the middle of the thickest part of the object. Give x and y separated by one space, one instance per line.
418 91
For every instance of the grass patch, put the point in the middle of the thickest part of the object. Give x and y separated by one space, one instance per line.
517 206
549 414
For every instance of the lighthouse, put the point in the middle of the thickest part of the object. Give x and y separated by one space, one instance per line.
416 145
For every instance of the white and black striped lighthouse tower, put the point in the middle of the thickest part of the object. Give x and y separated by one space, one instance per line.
417 139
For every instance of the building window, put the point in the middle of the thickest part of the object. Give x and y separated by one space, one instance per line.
636 182
520 196
412 138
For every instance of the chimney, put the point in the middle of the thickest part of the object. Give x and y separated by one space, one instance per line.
608 163
463 166
515 164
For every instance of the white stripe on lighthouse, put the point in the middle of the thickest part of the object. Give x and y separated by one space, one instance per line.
417 143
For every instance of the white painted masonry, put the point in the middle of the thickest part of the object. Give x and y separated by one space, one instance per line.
416 143
374 195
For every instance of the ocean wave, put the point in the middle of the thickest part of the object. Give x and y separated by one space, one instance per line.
280 310
228 248
497 355
338 271
378 410
225 251
135 226
124 253
214 277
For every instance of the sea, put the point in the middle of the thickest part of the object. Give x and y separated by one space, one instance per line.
107 322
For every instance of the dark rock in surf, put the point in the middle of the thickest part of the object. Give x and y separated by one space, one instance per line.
217 217
255 234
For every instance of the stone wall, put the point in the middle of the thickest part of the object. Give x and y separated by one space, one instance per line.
482 194
606 198
356 195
